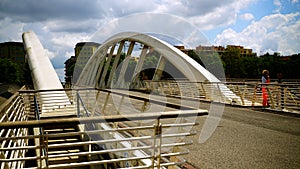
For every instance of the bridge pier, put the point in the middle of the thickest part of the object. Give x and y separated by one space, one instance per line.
43 74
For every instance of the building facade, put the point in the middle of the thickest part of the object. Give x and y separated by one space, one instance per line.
83 51
244 52
210 48
13 51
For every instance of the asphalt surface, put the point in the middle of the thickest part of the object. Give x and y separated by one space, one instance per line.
248 138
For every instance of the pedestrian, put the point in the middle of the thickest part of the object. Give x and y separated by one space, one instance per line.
265 79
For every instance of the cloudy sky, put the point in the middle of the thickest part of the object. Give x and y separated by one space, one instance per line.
263 25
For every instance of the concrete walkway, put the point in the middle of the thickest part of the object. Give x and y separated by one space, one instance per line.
247 138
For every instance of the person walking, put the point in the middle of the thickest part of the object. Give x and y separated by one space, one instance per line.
265 79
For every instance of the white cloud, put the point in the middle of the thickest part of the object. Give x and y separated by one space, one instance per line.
67 16
61 24
68 54
61 74
273 33
278 4
68 40
165 24
223 15
10 30
50 54
247 16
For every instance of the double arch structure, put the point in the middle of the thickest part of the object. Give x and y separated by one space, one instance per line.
97 74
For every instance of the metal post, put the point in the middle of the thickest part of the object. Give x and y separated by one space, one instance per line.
240 94
161 87
254 94
281 97
105 103
271 98
77 101
157 144
45 143
205 93
146 102
41 149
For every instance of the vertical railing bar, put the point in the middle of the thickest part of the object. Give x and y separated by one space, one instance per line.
80 102
240 93
105 103
270 96
154 146
15 153
46 150
254 94
120 105
77 102
159 133
41 150
9 109
244 94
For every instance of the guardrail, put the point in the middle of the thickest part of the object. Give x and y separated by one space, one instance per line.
282 96
114 139
13 111
156 149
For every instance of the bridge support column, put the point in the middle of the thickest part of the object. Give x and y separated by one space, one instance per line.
115 64
121 79
138 68
159 69
102 80
43 74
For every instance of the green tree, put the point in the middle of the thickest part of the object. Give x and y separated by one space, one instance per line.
232 60
10 72
273 63
210 60
292 67
250 67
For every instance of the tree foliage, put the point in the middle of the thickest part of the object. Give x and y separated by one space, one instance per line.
237 66
10 72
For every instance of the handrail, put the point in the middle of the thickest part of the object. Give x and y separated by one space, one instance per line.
78 133
114 118
141 142
80 102
36 108
249 93
103 119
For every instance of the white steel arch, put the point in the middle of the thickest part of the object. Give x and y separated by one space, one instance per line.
193 71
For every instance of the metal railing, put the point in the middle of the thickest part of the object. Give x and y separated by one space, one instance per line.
113 140
281 96
143 150
110 132
13 111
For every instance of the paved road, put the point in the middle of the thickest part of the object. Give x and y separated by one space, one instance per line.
247 138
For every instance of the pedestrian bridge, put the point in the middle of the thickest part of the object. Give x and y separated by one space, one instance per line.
122 112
